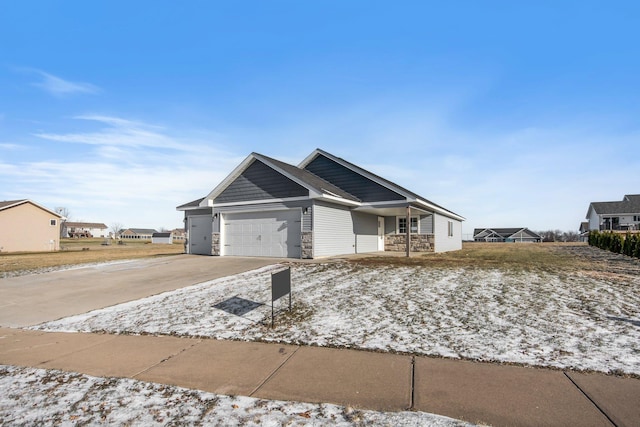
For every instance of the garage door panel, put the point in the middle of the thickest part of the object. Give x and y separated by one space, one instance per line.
267 234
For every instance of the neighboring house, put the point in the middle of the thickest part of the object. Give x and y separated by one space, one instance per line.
624 215
165 238
520 234
323 207
584 231
84 229
178 234
136 233
25 226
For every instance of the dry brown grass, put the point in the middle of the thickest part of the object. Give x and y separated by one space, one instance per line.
83 251
523 256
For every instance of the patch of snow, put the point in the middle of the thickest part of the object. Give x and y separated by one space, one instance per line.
30 396
556 319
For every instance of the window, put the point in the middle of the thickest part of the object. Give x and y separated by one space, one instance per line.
636 218
402 225
450 224
52 222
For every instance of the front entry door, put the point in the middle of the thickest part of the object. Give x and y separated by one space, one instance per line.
381 233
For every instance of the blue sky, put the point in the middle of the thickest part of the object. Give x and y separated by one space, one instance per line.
508 114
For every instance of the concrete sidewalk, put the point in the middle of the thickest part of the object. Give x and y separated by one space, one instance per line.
475 392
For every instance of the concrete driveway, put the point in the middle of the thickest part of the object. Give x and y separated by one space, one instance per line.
36 298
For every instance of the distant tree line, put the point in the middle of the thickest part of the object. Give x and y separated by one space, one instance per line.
627 244
559 236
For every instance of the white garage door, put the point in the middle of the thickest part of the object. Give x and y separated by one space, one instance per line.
267 234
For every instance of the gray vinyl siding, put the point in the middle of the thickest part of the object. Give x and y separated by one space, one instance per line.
365 227
302 204
260 182
332 230
390 225
350 181
426 224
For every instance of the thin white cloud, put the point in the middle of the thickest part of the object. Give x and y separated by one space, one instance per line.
59 87
126 173
9 146
118 133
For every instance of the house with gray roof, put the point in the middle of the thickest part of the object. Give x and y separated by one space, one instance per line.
518 234
325 206
622 215
136 233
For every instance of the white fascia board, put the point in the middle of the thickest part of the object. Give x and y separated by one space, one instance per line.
519 231
227 181
376 204
441 211
260 202
309 158
334 199
17 203
269 209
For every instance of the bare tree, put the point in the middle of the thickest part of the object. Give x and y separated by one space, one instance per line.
115 229
66 215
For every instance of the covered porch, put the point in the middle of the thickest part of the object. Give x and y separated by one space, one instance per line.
405 227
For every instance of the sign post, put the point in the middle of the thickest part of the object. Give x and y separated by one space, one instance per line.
280 286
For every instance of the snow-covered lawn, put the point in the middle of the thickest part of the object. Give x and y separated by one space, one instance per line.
577 320
48 397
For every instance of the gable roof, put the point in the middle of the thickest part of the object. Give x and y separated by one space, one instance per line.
504 233
7 204
192 204
630 204
317 187
409 195
139 230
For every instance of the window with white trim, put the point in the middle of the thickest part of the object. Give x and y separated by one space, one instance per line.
52 222
401 225
450 228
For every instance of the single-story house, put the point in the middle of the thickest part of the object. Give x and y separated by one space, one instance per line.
161 237
325 206
136 233
519 234
623 215
26 226
84 229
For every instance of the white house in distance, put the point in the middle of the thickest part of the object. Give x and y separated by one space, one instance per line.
325 206
26 226
84 229
613 216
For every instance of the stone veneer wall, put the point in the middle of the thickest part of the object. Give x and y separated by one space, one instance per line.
307 245
419 242
215 244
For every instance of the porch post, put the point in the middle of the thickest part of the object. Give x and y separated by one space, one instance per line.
408 229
